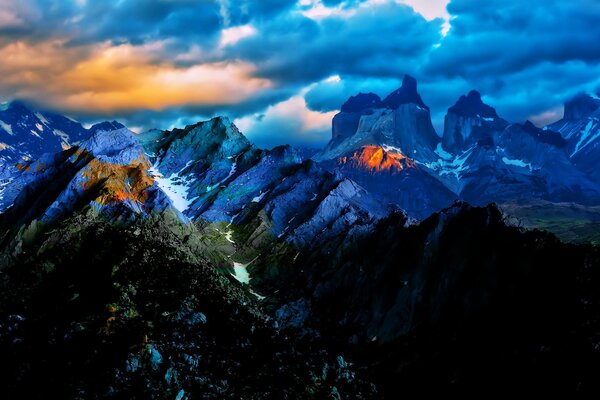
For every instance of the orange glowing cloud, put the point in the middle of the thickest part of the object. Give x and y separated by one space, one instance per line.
108 78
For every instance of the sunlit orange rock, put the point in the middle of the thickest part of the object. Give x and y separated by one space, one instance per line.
116 183
377 159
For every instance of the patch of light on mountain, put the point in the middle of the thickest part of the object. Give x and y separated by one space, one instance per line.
6 127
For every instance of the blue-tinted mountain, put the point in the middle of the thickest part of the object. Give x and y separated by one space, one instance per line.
580 127
481 157
390 176
470 121
215 174
26 135
107 172
401 120
406 94
382 146
162 264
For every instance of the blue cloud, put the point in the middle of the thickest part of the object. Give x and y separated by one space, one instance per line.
379 41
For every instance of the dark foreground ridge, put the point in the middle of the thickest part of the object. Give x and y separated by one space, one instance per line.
461 302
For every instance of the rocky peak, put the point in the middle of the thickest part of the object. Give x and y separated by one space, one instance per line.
361 102
406 94
472 106
118 146
217 128
106 126
470 121
580 106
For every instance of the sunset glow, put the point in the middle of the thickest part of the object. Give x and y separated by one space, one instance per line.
376 159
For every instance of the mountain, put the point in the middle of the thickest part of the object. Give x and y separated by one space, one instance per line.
386 173
27 134
401 120
189 263
108 171
382 145
470 121
485 159
215 174
580 127
460 302
390 148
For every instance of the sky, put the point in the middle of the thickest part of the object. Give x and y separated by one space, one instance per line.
282 68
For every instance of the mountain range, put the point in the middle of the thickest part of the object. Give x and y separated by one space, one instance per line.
190 263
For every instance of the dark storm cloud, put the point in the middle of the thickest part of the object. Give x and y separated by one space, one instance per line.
527 56
499 36
379 41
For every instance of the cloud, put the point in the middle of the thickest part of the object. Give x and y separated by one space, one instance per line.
231 36
113 79
385 40
289 121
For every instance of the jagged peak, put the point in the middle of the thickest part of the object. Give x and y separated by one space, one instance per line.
407 93
472 106
219 125
111 143
581 105
360 102
106 126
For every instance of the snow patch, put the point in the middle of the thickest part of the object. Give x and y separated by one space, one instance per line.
516 163
258 296
240 272
175 187
258 198
6 127
486 118
439 150
588 135
228 236
42 119
62 135
454 165
389 148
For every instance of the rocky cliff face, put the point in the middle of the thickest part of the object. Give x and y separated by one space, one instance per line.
401 120
481 157
468 122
